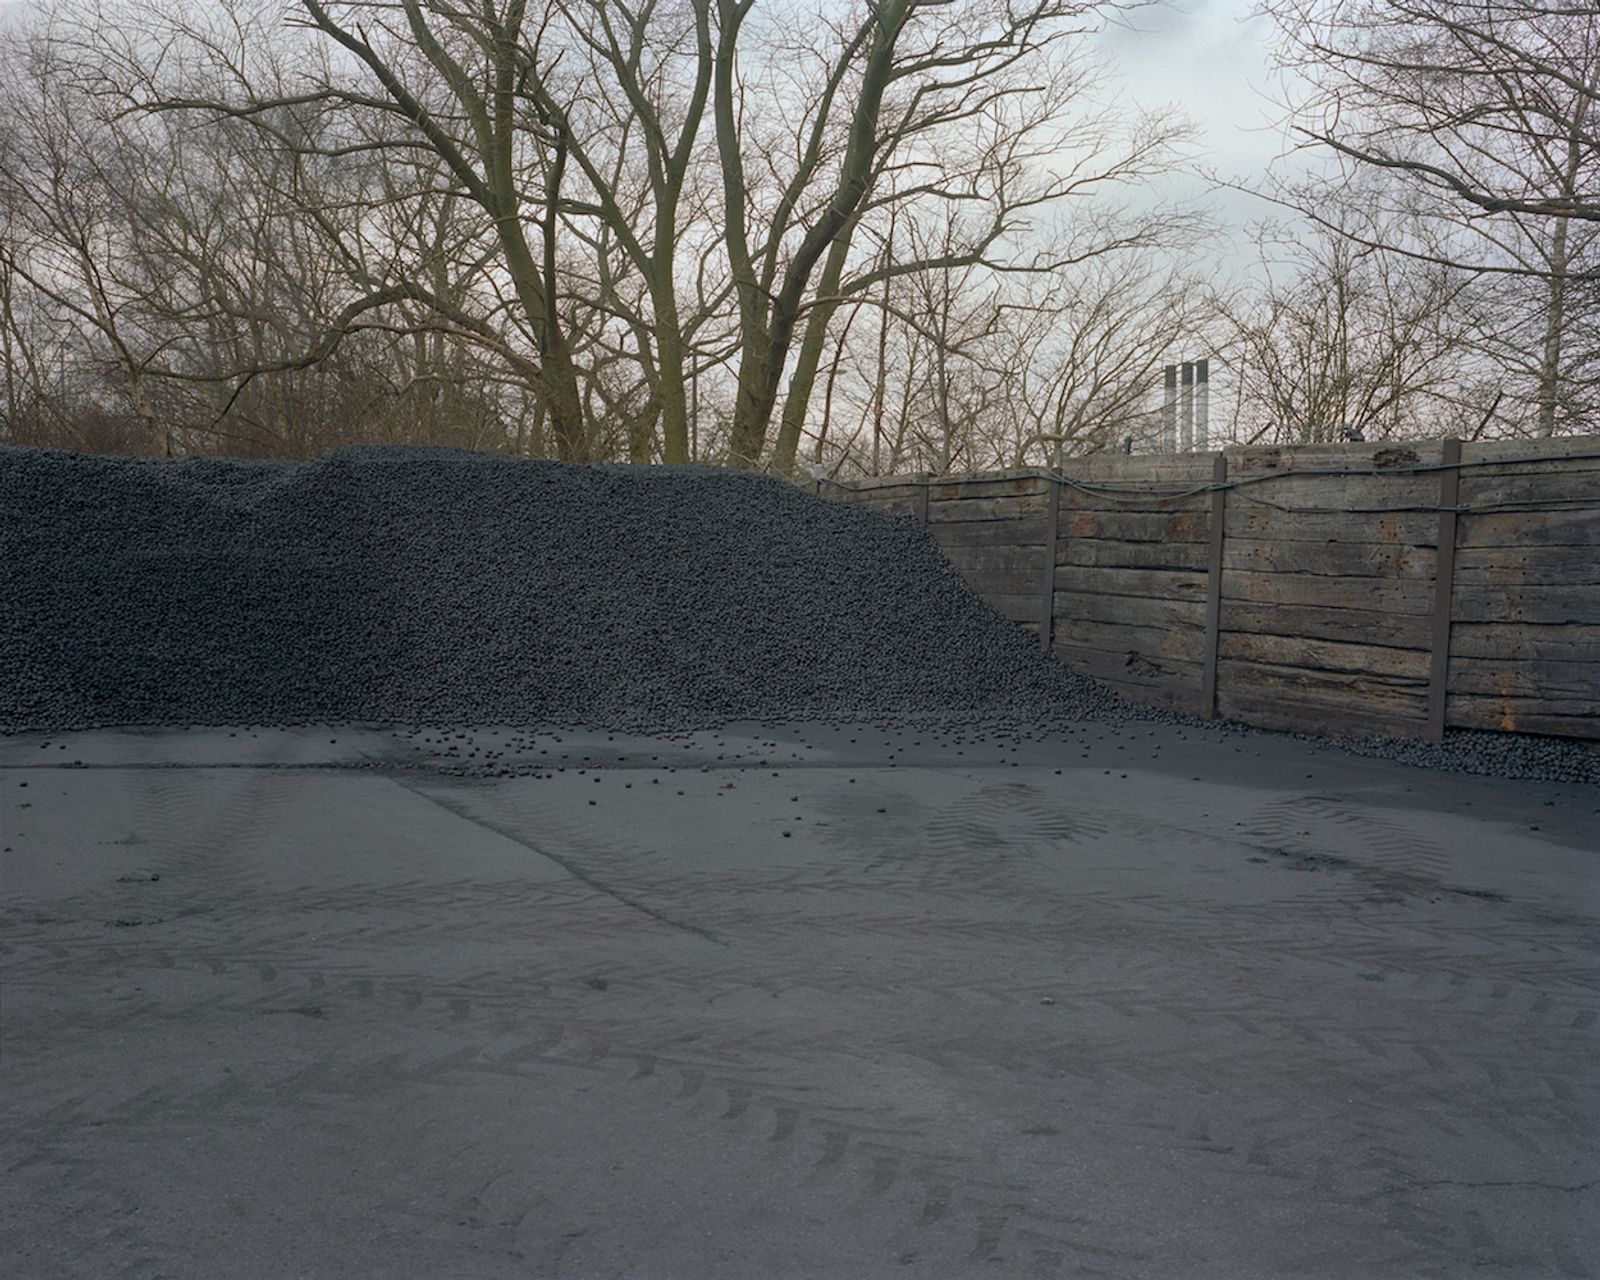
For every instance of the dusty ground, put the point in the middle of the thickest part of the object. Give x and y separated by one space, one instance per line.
850 1004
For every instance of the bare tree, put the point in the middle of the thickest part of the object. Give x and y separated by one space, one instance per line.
413 78
216 285
596 228
1342 340
642 134
1027 189
1087 357
1482 116
1489 103
70 259
893 77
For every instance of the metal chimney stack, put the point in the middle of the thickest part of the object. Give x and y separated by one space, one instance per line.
1169 411
1186 402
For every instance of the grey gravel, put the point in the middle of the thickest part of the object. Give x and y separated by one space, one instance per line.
431 586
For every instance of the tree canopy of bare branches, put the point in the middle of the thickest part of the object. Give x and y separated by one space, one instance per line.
1464 134
624 228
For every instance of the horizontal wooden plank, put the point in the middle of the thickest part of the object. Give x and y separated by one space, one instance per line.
1316 710
1139 469
1405 692
1133 504
1137 526
1000 476
1360 626
1578 528
1401 595
1572 460
1564 683
1561 642
1023 532
1109 554
1473 451
1135 644
855 488
969 509
1337 494
981 557
1380 455
1329 559
1520 715
1375 455
1331 657
991 583
1531 566
1161 584
1250 520
1562 482
1473 603
992 487
1143 611
1401 694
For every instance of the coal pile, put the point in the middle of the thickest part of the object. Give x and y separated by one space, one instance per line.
411 585
432 586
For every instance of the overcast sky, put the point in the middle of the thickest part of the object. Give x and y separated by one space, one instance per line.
1210 59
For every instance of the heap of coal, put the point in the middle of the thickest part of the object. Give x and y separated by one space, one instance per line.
421 585
432 586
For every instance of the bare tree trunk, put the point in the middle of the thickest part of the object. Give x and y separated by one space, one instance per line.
1550 362
1549 394
804 377
880 382
769 308
942 378
674 400
833 378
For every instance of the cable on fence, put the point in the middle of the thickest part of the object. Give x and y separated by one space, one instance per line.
1154 493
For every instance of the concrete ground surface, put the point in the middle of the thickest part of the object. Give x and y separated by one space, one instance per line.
790 1001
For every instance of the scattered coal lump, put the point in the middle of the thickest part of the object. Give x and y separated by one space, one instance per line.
406 586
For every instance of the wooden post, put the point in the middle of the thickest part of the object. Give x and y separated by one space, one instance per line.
922 497
1444 573
1219 512
1052 522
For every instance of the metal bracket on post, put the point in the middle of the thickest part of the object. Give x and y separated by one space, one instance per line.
1219 513
1052 523
1444 573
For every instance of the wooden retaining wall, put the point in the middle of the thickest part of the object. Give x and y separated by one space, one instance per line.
1398 588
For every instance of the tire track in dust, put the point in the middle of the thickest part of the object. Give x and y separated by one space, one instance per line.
1376 849
869 1162
973 845
461 811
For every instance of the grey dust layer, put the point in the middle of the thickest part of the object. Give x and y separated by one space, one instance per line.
814 1002
409 586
